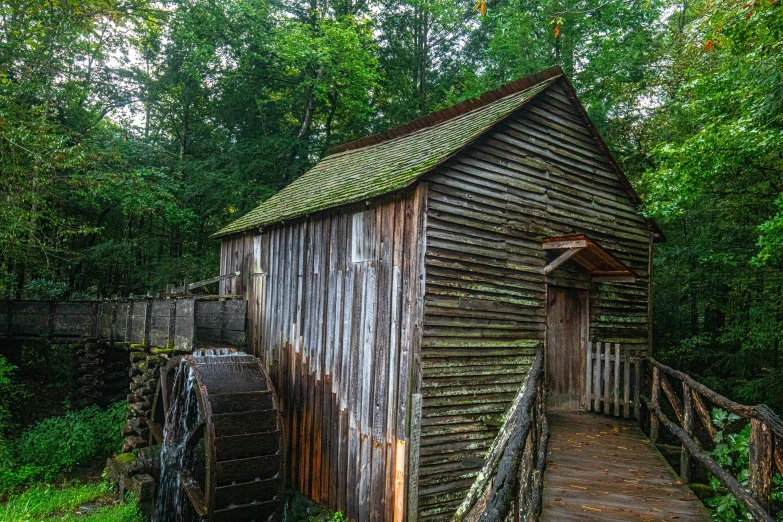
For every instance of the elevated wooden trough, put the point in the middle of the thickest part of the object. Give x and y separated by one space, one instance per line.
181 322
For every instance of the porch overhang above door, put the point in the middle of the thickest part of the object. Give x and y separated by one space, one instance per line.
601 264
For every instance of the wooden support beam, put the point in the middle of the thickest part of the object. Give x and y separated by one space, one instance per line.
655 399
566 243
538 491
673 400
685 456
562 258
761 458
703 414
198 284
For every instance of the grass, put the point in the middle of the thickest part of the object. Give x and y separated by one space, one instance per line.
46 503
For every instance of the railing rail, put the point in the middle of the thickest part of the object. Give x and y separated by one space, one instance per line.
765 445
512 476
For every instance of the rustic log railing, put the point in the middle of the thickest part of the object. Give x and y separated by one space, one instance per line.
512 476
765 445
613 374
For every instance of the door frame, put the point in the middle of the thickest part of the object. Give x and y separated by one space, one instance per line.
584 335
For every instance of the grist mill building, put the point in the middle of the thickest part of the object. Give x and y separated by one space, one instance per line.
398 291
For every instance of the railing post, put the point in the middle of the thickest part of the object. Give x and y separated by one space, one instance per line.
655 399
761 458
685 455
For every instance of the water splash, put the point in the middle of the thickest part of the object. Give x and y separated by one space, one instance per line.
178 459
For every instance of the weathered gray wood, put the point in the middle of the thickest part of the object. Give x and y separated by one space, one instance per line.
597 379
761 461
673 400
589 376
160 320
627 383
607 376
637 383
616 382
205 282
140 321
655 402
185 325
562 258
687 426
704 415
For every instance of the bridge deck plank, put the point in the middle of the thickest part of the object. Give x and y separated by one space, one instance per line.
605 468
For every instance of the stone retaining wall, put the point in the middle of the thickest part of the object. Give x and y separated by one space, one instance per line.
100 371
144 373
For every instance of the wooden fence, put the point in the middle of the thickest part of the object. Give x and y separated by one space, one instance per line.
765 445
512 479
613 374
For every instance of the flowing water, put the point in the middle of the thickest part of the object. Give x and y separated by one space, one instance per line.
178 460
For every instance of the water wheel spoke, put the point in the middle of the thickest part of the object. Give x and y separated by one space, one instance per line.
156 430
195 435
194 493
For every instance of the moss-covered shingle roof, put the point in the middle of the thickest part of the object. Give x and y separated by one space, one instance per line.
381 164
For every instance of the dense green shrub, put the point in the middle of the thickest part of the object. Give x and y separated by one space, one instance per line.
12 397
59 444
64 442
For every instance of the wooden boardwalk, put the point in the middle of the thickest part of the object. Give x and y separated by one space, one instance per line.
605 468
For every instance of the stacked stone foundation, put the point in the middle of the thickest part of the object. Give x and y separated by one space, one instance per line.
144 373
100 371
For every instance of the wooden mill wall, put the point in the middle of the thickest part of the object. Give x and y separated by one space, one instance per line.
538 174
335 307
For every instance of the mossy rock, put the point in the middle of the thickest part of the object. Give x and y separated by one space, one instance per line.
125 458
168 350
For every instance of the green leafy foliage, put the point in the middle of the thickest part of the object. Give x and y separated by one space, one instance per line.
732 452
12 397
60 444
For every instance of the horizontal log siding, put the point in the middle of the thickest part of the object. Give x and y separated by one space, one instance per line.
537 175
338 337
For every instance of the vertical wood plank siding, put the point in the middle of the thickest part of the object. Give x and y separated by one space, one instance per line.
538 174
339 337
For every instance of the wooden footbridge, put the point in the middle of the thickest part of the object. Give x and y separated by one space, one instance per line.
600 465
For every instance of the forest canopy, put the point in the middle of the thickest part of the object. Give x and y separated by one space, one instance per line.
131 130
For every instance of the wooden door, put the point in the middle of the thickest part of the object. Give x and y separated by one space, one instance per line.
566 320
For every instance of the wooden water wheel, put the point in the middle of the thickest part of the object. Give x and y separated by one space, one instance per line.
237 472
